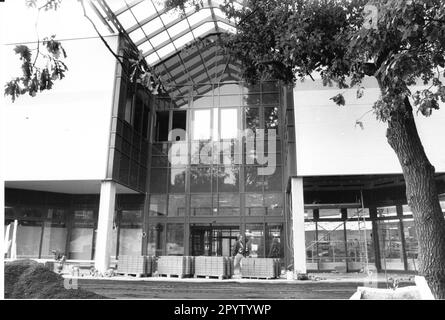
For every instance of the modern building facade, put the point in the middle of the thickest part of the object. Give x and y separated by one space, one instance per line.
101 167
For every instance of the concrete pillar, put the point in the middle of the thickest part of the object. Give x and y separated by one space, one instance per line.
105 225
299 244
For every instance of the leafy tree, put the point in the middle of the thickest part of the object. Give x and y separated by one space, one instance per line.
398 42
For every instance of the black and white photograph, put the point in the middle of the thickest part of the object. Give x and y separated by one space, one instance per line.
222 155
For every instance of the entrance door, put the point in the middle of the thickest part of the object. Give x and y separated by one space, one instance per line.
213 240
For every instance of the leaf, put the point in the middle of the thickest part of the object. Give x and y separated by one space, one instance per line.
339 99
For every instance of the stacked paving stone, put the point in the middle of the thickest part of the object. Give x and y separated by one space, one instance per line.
135 265
180 266
266 268
220 267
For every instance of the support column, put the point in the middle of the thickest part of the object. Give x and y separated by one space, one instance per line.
105 225
299 244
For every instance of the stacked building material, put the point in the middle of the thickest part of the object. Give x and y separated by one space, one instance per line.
134 265
266 268
181 266
220 267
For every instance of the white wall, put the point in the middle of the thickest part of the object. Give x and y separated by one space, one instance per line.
61 134
329 142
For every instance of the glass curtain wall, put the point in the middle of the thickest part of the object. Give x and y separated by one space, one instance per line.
203 168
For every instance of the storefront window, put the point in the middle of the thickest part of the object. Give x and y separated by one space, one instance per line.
229 204
175 239
390 242
158 205
176 205
255 236
274 243
358 246
81 241
311 245
201 205
155 239
177 180
200 179
28 239
411 244
130 233
54 239
387 211
228 179
331 245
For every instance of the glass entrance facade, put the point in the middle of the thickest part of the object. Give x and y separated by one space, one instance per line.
208 149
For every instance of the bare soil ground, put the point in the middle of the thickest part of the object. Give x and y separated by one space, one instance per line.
224 289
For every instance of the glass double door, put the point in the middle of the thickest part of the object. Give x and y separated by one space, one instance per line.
213 240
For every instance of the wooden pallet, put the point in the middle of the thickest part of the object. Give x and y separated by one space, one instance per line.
137 275
171 275
258 278
221 277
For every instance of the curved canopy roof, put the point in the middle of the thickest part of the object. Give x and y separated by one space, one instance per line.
164 37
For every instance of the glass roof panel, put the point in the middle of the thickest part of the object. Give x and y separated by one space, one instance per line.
143 10
169 16
145 47
153 25
115 5
160 38
152 59
201 30
226 27
127 20
199 16
179 43
166 50
177 28
137 35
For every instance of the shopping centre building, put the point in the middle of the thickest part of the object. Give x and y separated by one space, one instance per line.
89 170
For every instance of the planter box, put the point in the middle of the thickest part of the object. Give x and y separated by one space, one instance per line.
260 268
175 265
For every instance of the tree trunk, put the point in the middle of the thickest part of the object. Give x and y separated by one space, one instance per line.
422 196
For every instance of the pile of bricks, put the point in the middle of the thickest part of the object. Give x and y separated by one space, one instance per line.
180 266
221 267
266 268
135 265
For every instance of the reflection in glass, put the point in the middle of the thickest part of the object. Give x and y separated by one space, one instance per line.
252 118
274 204
274 182
176 205
175 239
229 204
28 239
391 256
331 245
255 238
158 180
254 204
274 243
155 239
229 123
228 179
201 205
158 205
200 179
411 244
271 118
253 181
201 126
177 180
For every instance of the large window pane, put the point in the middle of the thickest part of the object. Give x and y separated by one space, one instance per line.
274 241
390 245
271 118
81 241
411 244
155 239
130 239
200 179
355 237
176 205
175 239
229 123
54 239
177 180
253 181
228 179
252 118
274 182
201 125
158 180
255 237
28 239
161 127
229 204
158 205
254 204
331 246
274 204
310 237
201 205
179 120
